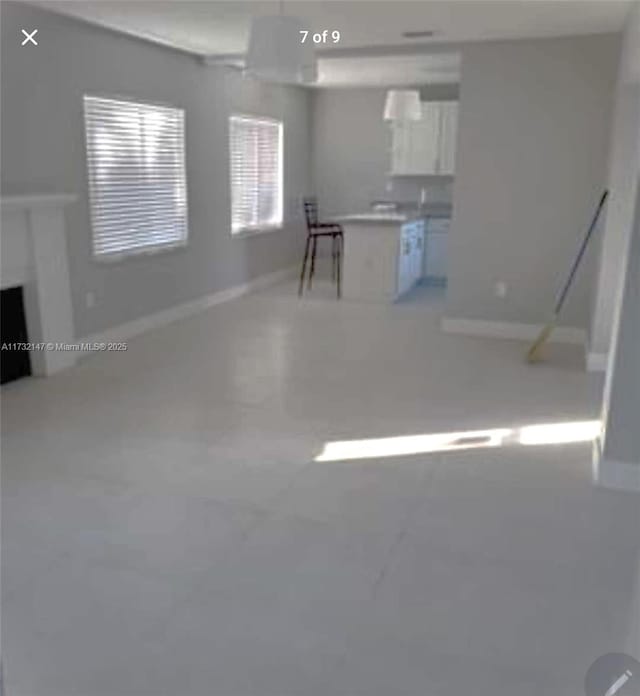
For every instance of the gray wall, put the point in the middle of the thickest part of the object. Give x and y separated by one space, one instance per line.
351 151
531 163
622 396
623 161
43 148
621 439
625 150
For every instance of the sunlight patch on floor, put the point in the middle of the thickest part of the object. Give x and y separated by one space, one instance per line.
405 445
559 433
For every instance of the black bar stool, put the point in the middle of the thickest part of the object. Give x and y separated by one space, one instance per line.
316 230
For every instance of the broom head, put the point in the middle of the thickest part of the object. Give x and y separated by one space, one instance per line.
535 352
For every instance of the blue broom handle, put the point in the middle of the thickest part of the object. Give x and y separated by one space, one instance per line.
583 248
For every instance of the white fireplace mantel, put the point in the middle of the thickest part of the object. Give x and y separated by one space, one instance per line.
34 255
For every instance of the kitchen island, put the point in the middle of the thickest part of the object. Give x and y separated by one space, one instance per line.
383 255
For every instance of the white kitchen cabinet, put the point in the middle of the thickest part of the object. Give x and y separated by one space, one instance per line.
404 135
399 146
447 137
371 268
427 146
436 243
383 256
410 256
404 264
418 252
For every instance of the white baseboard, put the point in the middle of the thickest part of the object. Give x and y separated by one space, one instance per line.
609 473
136 327
511 330
596 362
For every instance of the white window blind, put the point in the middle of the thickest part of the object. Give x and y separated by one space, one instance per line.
255 147
137 181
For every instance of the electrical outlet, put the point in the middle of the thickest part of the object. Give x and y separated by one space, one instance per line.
90 300
500 289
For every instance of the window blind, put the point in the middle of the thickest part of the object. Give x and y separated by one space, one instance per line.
255 148
137 181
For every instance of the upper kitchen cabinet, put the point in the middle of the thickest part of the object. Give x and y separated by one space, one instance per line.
426 147
447 137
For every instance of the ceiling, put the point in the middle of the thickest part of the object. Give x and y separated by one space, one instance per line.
367 28
388 71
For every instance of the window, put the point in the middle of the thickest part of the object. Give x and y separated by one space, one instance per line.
137 181
255 147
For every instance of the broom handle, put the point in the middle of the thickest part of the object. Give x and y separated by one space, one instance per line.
583 248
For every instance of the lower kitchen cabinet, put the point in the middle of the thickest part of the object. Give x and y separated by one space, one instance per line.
383 256
436 246
410 255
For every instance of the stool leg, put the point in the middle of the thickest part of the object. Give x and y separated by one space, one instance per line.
313 262
339 264
304 265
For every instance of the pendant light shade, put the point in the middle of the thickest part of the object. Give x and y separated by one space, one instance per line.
276 53
402 105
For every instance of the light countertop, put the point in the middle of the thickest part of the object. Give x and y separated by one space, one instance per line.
396 217
379 218
431 209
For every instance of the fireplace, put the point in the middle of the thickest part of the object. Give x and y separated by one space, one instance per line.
15 362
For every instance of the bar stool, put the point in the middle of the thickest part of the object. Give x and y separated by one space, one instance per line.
316 230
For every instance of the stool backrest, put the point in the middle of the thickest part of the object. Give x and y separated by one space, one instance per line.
311 212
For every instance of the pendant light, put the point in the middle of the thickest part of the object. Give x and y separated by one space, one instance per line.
276 53
402 105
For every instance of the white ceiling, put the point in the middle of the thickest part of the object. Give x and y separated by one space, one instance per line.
213 28
388 71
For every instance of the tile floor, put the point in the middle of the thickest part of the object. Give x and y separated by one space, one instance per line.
167 532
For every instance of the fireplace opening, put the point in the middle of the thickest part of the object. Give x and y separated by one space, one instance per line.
15 361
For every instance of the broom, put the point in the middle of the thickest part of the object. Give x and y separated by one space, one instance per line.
535 352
